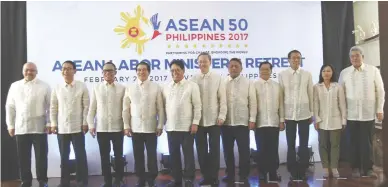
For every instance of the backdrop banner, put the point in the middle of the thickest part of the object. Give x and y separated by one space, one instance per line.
91 33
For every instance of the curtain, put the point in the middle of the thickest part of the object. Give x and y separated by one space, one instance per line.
337 27
13 56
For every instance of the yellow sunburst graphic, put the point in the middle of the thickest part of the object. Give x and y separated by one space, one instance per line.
132 31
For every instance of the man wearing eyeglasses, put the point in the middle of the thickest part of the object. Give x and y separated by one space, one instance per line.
69 107
27 114
106 106
214 108
297 87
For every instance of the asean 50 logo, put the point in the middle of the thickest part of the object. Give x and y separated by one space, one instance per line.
138 29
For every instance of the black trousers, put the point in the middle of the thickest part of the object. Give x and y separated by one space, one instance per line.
78 142
361 151
150 141
240 134
209 160
303 152
24 144
176 140
104 141
267 143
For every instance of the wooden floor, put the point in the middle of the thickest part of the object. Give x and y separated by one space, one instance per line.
314 180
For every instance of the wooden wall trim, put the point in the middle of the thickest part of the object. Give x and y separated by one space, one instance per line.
383 25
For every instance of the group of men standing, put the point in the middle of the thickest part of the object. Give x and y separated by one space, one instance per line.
200 109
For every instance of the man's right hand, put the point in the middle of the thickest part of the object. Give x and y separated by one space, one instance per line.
93 132
316 125
127 132
54 130
11 132
252 125
194 128
282 126
48 130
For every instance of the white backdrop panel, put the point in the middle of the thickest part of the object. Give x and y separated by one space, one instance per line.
88 33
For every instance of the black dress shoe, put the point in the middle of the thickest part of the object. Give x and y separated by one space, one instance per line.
118 183
106 185
243 181
274 177
189 183
294 176
151 183
141 183
302 175
42 184
263 176
81 184
64 185
175 184
228 179
214 182
25 184
204 182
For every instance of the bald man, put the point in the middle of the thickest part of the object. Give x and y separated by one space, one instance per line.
27 118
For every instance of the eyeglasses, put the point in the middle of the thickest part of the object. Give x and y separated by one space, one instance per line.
108 70
30 70
67 69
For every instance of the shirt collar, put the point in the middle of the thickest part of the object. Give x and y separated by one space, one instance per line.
265 81
236 79
33 81
294 71
206 75
362 67
323 84
140 82
178 83
71 84
107 84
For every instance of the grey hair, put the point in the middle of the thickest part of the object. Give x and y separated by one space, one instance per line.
356 49
30 63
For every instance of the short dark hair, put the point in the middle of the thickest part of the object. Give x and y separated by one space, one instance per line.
333 76
293 51
69 62
146 64
266 62
179 63
236 60
110 62
207 54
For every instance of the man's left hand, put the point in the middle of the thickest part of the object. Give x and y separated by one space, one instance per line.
159 132
220 122
193 128
85 128
380 116
311 120
252 125
48 130
282 126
